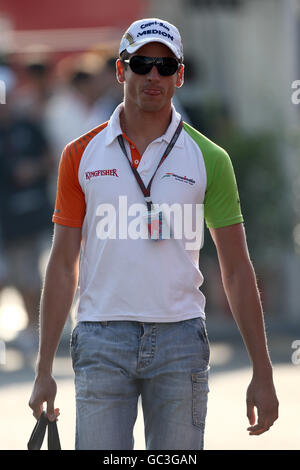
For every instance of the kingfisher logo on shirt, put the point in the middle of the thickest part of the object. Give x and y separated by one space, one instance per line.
183 179
96 173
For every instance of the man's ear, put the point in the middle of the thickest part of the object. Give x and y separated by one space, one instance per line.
120 69
180 76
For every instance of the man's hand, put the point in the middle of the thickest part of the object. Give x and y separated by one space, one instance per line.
261 394
44 390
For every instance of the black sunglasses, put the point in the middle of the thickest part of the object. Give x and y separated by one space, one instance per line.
141 65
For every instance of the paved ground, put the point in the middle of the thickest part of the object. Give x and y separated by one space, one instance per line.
226 420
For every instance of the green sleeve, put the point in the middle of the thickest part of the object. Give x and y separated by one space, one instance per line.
221 202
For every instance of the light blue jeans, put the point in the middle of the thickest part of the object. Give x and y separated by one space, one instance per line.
166 364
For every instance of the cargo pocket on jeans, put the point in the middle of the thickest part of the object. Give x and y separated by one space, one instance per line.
200 395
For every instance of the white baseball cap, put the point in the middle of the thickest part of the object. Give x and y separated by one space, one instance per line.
142 32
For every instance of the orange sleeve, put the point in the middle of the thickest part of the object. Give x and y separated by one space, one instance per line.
70 200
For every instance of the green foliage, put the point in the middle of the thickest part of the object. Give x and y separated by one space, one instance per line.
263 188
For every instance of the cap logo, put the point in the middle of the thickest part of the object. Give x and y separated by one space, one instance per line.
147 25
156 31
129 38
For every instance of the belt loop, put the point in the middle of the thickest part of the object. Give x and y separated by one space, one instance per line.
104 323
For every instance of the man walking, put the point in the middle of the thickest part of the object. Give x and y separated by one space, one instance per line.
141 316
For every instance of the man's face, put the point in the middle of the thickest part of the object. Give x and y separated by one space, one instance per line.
151 92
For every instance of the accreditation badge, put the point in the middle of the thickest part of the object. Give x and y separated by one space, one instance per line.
158 228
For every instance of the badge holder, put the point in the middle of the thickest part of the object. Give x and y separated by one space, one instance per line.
157 225
155 219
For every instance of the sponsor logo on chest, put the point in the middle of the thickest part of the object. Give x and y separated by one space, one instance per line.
182 179
95 174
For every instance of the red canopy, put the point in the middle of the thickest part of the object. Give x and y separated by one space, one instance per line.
59 14
66 26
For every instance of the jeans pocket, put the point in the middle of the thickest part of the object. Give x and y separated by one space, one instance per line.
73 342
202 332
200 395
74 336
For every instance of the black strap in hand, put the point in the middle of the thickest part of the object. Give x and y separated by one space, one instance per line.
38 434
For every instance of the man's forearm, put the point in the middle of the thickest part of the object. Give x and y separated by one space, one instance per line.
244 300
56 301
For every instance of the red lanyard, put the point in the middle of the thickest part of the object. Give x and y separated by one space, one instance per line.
146 190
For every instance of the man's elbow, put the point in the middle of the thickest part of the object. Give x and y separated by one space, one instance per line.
239 273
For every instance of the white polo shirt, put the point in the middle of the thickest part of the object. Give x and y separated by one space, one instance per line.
124 275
